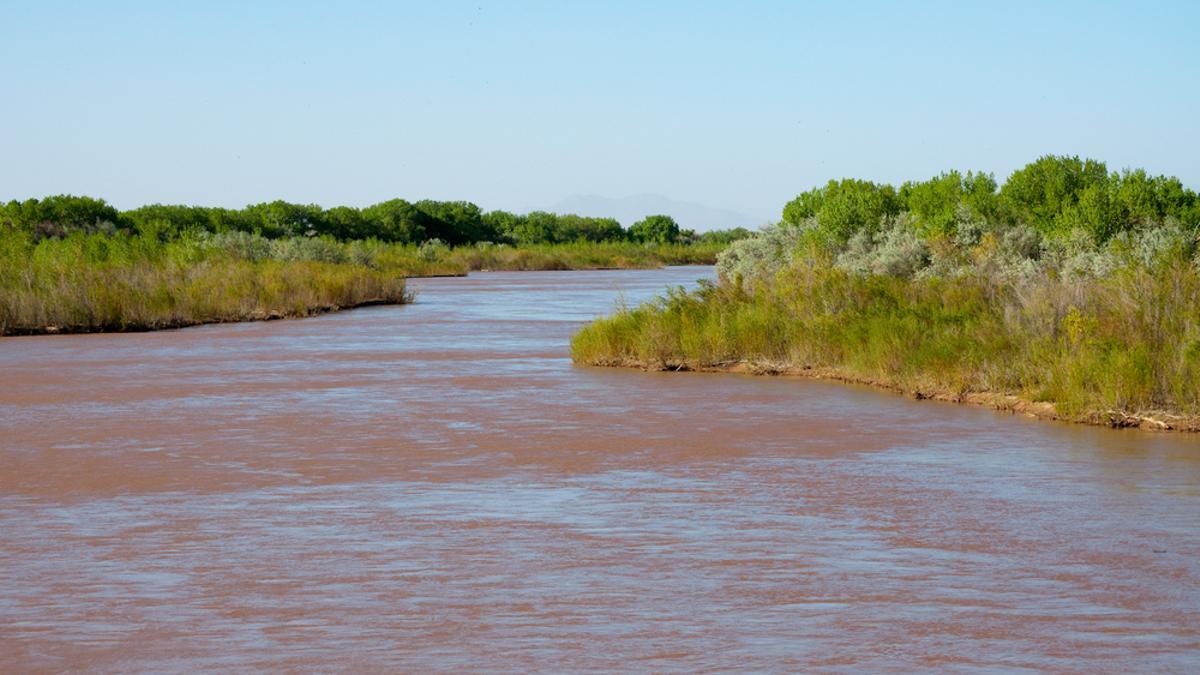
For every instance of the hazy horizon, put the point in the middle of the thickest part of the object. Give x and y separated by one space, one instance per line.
522 106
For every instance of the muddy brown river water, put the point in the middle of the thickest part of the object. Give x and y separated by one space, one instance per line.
436 487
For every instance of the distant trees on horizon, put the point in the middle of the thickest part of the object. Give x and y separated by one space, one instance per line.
1057 196
454 223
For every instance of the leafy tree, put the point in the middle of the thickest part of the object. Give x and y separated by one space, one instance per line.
844 207
724 236
1146 200
454 223
233 220
1041 191
345 223
397 220
1095 212
503 224
536 227
661 229
582 228
805 205
169 219
284 219
542 227
59 215
937 202
980 195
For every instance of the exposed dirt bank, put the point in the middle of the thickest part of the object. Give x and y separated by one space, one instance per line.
1118 419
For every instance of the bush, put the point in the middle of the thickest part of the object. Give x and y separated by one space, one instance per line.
252 247
433 249
761 256
894 250
316 249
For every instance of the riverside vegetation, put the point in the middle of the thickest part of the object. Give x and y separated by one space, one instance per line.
77 264
1070 292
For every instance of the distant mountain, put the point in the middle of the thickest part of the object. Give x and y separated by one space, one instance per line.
631 209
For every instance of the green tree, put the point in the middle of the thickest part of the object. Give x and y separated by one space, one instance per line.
1095 212
396 220
233 220
536 227
660 229
455 223
503 223
844 207
284 219
582 228
725 236
1146 200
60 215
345 223
1042 191
169 219
980 195
936 204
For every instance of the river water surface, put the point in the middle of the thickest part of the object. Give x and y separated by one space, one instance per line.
435 486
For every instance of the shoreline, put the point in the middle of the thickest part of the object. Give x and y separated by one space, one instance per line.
29 331
1042 410
177 324
581 268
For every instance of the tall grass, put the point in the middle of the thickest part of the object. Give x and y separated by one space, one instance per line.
99 282
1118 347
124 281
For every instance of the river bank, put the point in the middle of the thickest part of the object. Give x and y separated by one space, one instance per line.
1005 402
175 324
133 283
1121 350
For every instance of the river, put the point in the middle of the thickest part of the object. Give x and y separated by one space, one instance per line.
436 487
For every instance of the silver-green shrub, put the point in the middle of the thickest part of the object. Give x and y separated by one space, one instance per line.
432 250
759 257
892 249
244 245
318 249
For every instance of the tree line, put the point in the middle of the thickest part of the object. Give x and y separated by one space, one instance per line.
1055 195
454 223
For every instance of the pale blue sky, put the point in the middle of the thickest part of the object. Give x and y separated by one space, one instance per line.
737 105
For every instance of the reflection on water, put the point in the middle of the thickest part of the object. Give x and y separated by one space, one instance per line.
435 486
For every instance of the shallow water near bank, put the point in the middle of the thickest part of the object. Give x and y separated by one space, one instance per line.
435 486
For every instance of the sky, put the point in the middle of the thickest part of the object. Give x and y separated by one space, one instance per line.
518 105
